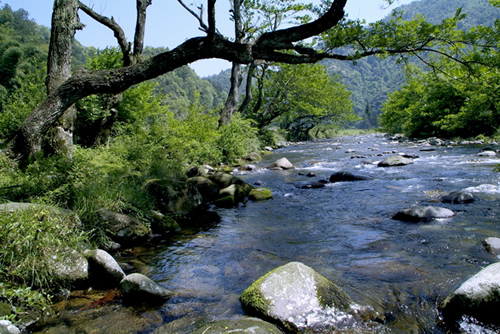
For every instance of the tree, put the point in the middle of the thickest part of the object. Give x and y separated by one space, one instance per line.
65 22
300 97
287 45
451 100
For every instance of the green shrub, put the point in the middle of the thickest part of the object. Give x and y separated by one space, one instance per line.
237 139
29 238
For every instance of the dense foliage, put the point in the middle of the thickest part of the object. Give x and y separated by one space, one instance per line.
300 98
456 99
371 79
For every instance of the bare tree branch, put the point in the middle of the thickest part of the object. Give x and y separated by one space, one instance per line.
117 30
203 26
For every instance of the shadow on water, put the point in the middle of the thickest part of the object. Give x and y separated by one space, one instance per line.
344 231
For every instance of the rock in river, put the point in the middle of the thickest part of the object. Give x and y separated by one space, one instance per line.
243 325
478 297
103 268
346 177
492 245
299 299
423 213
458 197
282 163
395 160
139 288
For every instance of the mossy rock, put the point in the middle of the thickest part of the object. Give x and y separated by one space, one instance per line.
175 196
239 326
290 292
225 202
164 224
260 194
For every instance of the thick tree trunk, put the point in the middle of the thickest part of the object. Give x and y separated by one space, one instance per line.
59 140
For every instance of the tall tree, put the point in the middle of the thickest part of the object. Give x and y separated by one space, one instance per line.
285 45
65 22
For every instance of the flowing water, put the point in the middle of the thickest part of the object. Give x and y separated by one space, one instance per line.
344 231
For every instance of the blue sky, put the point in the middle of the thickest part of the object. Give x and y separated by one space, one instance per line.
168 24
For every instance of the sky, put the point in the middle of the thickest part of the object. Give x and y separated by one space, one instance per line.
168 24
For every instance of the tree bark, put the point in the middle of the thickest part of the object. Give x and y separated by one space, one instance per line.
64 24
233 96
140 27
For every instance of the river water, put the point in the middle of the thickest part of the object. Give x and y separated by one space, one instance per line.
344 231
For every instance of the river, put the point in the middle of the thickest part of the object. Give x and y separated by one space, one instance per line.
344 231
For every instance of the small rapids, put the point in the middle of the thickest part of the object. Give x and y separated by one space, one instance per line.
344 231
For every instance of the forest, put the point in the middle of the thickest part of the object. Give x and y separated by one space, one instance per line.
92 135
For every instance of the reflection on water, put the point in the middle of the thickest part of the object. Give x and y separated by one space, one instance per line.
344 231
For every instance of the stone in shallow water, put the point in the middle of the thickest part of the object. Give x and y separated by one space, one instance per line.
300 299
239 326
458 197
422 213
478 297
139 288
395 161
492 245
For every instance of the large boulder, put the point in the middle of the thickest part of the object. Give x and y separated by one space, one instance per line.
394 161
69 265
163 224
123 229
282 163
299 299
207 188
458 197
347 177
478 297
422 213
104 271
224 180
175 196
137 288
238 326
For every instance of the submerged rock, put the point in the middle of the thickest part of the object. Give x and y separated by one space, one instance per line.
137 288
395 161
299 299
423 213
478 297
458 197
346 177
243 325
313 185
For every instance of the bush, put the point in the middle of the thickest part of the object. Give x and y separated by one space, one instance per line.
30 237
237 139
